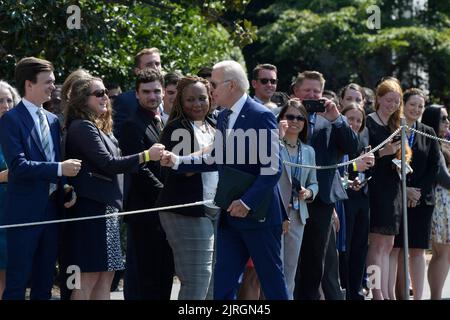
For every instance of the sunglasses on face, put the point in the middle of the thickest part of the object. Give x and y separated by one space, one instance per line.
444 119
291 117
266 81
99 93
214 85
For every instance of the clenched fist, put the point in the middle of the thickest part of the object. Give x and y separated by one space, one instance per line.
71 167
156 151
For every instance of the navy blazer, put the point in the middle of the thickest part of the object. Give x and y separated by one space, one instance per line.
100 177
30 174
252 116
330 142
125 105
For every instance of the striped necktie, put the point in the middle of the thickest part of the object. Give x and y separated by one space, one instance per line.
45 140
45 134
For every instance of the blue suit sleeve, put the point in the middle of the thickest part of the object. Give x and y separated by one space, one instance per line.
13 148
270 171
346 138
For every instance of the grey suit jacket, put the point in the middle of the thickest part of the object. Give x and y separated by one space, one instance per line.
308 179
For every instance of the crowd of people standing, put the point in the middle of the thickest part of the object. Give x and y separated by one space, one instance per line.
295 232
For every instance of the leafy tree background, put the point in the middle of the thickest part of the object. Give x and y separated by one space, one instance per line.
327 35
332 37
188 33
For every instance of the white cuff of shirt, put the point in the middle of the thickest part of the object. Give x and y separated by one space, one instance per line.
59 169
246 206
177 163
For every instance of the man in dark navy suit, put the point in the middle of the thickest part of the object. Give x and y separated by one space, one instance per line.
30 139
126 104
241 236
149 259
331 137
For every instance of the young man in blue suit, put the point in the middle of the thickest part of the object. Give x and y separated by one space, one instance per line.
239 235
30 139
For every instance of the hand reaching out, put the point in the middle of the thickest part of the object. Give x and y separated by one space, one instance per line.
156 151
168 159
70 167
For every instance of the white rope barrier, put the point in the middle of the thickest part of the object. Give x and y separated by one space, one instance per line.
198 203
117 214
428 135
335 166
346 163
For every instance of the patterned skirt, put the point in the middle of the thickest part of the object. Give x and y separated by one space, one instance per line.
94 245
440 231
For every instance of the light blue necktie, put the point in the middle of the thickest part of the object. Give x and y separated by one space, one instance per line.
45 134
45 140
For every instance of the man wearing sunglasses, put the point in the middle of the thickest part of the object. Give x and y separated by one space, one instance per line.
265 84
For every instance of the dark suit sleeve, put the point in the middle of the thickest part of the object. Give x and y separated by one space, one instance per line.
346 138
271 171
85 137
432 164
132 142
122 110
12 145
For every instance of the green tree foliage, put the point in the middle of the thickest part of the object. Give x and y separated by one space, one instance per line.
188 33
333 37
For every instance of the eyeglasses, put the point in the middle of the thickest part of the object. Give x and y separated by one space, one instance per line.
266 81
291 117
215 85
99 93
444 119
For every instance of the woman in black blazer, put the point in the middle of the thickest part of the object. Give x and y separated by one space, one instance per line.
420 196
94 245
191 230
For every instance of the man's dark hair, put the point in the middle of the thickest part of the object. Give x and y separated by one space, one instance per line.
204 72
27 69
148 75
112 85
279 98
172 78
266 66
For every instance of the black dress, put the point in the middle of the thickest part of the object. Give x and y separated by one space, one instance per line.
385 187
425 162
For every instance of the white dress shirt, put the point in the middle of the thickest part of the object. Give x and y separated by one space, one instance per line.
236 108
32 109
